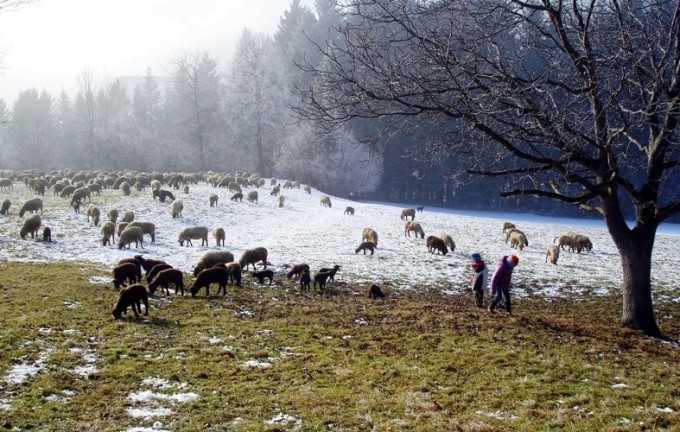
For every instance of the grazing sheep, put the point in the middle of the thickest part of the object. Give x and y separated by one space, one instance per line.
151 274
131 234
234 187
420 209
6 203
95 189
83 192
507 226
147 228
176 209
367 245
162 195
186 189
32 205
209 259
570 242
369 234
126 272
219 235
155 185
167 277
262 275
94 213
252 196
405 213
305 280
252 256
374 292
131 296
434 243
288 185
146 263
238 196
128 216
321 278
193 233
584 241
31 226
512 230
47 234
326 201
107 231
275 190
332 271
6 184
414 227
307 189
448 241
234 270
121 227
349 211
517 240
281 200
125 187
67 191
552 252
297 269
213 200
112 214
208 276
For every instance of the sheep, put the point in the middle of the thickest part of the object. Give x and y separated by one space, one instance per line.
131 296
405 213
209 259
107 231
288 185
297 269
307 189
367 245
162 195
305 280
67 191
146 263
414 227
374 292
332 271
507 226
325 201
234 270
155 185
321 278
121 227
448 241
94 213
166 277
349 211
31 226
552 252
95 189
275 190
112 214
420 208
251 256
434 243
6 204
234 187
176 209
238 196
157 269
281 200
517 240
147 228
570 242
125 187
131 234
47 234
262 275
208 276
252 197
296 184
128 216
512 230
186 189
6 184
193 233
213 200
84 192
32 205
369 234
126 272
219 235
584 241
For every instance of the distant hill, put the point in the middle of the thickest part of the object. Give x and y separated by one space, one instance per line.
130 82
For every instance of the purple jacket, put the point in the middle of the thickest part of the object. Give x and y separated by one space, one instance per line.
501 276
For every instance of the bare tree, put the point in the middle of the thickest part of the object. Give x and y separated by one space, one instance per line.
573 100
86 105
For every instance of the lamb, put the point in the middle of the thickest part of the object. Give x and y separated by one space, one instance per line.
128 216
157 268
367 245
193 233
305 280
262 275
369 234
219 235
213 200
208 276
326 201
112 214
421 208
252 196
414 227
6 203
107 231
32 205
434 243
281 200
234 270
332 271
47 234
131 234
147 228
31 226
405 213
321 278
251 256
94 213
209 259
167 277
297 269
275 190
146 263
507 226
131 296
374 292
349 211
448 241
552 252
176 209
238 196
517 240
570 242
126 272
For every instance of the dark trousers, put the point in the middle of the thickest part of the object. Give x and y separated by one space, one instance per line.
501 292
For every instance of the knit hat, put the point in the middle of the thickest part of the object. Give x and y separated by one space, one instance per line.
512 260
476 256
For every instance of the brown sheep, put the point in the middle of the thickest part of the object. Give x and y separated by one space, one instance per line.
434 243
405 213
94 213
305 280
252 256
584 241
374 292
234 270
262 275
517 240
167 277
147 263
414 227
125 272
131 296
5 206
275 190
157 269
208 276
128 216
107 231
552 252
349 211
570 242
213 200
369 234
32 205
332 271
297 269
238 196
47 234
364 246
321 278
31 226
507 226
209 259
219 235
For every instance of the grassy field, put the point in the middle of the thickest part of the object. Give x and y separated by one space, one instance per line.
270 358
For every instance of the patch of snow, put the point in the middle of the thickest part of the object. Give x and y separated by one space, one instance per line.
21 372
620 385
162 383
5 405
497 415
256 364
667 410
283 419
148 413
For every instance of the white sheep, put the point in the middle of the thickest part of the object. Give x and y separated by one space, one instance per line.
325 201
176 208
193 233
128 216
131 234
94 213
552 252
448 240
252 197
107 232
370 235
147 228
219 235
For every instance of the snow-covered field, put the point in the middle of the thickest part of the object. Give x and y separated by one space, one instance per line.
305 231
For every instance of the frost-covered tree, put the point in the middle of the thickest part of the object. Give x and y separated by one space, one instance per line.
85 108
31 130
147 102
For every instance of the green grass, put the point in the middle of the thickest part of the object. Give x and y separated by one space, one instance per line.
416 361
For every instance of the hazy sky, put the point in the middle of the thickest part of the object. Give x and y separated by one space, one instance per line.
48 44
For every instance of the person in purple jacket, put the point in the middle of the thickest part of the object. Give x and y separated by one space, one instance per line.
500 281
